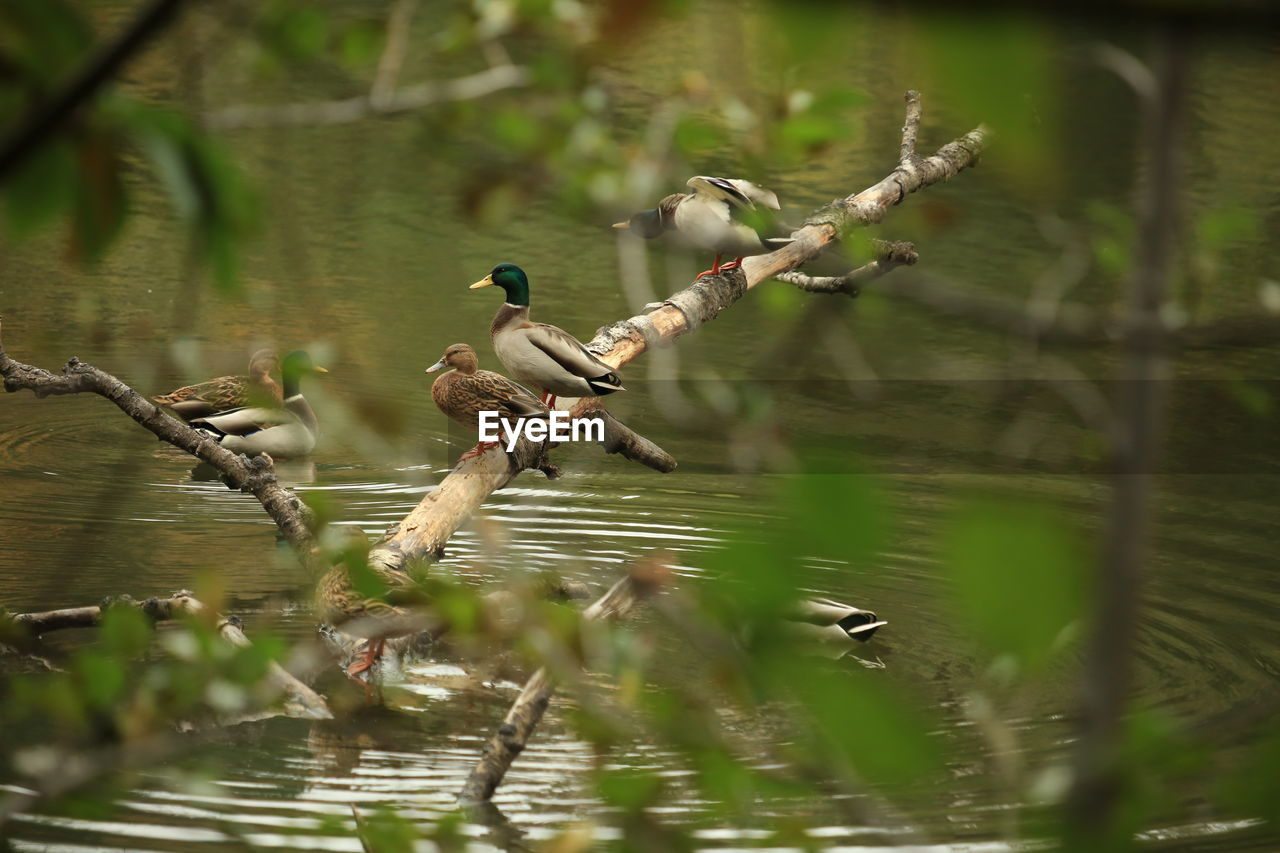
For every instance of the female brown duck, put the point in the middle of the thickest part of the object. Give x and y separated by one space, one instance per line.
228 392
465 391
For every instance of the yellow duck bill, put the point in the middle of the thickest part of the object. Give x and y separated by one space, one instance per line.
484 282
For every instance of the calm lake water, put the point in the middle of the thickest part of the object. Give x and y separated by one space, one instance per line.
362 261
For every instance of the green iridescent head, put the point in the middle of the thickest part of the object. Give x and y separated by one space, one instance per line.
511 279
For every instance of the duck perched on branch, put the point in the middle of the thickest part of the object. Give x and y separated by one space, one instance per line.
286 432
228 392
369 602
465 391
538 354
721 215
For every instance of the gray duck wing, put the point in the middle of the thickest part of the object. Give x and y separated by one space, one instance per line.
567 351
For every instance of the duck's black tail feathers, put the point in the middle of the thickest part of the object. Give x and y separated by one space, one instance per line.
606 384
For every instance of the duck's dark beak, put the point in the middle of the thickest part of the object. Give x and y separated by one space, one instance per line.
439 365
484 282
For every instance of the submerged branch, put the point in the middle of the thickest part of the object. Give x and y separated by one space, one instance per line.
300 700
255 476
526 712
373 103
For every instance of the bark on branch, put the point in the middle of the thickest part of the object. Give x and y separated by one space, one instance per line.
300 700
517 727
890 257
255 476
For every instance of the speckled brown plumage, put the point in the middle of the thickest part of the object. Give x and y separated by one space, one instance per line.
465 391
228 392
376 619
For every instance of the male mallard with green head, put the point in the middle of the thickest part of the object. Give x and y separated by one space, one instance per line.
227 392
538 354
465 391
284 433
714 217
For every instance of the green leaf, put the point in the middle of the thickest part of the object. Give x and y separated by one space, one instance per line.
41 188
628 789
1016 578
998 68
836 516
102 678
861 721
45 38
125 633
100 201
695 135
1217 229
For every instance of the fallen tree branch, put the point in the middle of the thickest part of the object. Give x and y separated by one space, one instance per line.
526 712
890 257
423 532
255 476
300 700
690 308
373 103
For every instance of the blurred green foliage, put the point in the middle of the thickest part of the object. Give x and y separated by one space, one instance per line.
1015 575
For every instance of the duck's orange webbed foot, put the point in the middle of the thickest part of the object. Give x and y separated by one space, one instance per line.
715 268
366 660
479 449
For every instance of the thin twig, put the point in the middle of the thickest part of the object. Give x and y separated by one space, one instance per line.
345 111
393 53
526 712
47 116
1097 788
891 256
910 128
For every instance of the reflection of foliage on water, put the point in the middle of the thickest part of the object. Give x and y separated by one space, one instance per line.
759 725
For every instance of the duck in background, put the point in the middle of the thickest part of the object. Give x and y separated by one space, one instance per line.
283 432
537 354
228 392
721 215
465 391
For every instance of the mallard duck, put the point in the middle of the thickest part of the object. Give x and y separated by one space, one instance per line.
538 354
832 622
286 432
227 392
374 619
465 391
711 218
